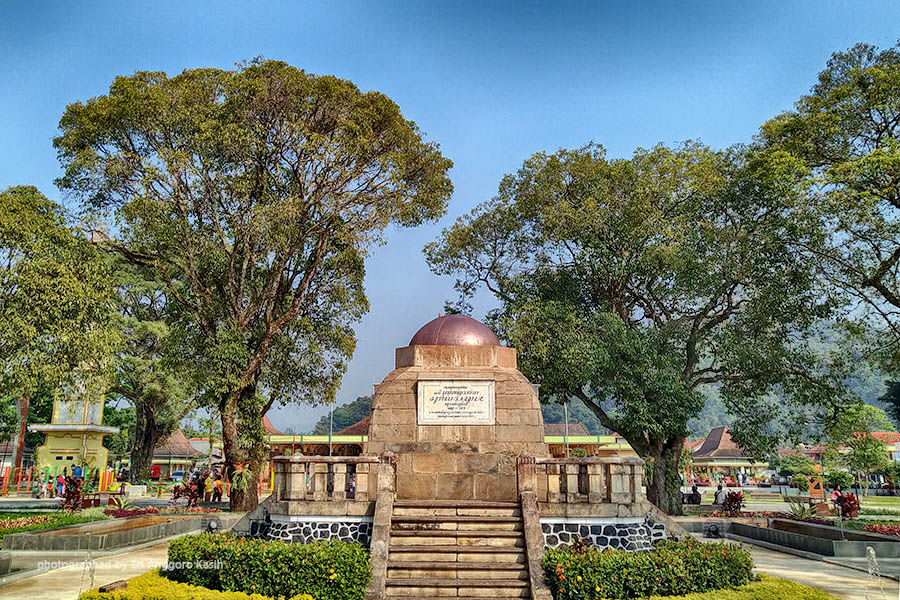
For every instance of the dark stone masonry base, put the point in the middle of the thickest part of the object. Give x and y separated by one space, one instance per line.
309 530
638 536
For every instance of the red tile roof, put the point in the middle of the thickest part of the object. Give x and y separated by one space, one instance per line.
270 429
175 445
358 428
888 437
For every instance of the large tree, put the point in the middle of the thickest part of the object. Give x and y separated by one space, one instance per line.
633 284
853 428
56 298
846 133
255 195
147 373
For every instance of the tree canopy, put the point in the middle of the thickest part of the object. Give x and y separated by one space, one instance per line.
846 134
148 374
254 194
56 295
632 283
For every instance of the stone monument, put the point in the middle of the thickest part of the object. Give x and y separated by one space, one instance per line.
457 413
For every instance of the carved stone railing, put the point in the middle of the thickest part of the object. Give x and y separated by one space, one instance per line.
593 480
324 478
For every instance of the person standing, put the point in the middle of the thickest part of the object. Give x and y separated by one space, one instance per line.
61 483
208 485
720 496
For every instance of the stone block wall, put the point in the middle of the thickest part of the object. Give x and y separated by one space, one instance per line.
456 462
310 529
634 536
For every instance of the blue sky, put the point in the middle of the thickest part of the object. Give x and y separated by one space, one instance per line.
491 82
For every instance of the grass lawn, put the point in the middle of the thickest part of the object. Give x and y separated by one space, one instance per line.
32 521
880 501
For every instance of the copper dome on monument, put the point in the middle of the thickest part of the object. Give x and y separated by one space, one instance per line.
454 330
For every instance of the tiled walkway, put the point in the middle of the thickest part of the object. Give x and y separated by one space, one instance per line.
64 583
842 582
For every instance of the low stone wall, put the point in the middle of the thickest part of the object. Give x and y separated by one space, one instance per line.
302 530
618 534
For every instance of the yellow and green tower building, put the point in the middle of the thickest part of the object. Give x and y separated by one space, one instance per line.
74 437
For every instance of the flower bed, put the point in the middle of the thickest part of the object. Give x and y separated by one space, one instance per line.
672 568
882 529
326 570
152 586
119 513
21 522
757 514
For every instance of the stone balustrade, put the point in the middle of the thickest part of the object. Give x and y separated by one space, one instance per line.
593 480
324 478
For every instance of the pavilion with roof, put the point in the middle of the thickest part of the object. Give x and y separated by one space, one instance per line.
718 458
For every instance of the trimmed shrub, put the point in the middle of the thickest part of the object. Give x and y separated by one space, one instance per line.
838 478
327 570
151 586
672 568
801 482
734 502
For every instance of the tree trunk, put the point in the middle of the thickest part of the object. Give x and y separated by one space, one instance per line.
243 495
22 413
146 435
664 486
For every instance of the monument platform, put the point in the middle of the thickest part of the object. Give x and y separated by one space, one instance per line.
456 493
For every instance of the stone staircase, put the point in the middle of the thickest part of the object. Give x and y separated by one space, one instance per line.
457 549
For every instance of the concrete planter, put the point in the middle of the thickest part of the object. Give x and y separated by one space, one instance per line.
108 534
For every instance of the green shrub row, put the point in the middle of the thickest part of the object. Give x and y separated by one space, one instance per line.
327 570
673 568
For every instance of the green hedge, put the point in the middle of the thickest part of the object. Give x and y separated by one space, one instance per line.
673 568
151 586
325 570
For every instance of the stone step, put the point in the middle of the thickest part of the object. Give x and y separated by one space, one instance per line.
456 523
461 511
460 553
510 555
452 566
438 543
454 504
436 538
443 593
463 533
467 574
474 588
456 519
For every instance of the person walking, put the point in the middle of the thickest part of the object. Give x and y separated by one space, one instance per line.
218 486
